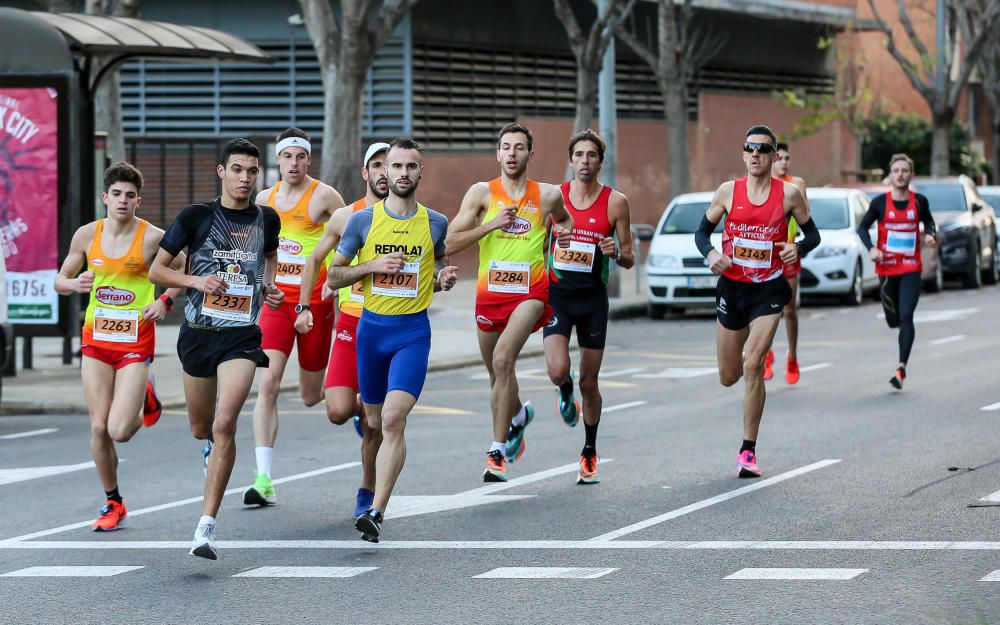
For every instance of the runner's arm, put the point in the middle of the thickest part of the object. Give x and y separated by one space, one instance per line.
924 212
800 210
340 274
554 209
179 234
872 215
464 229
326 244
715 213
67 281
619 210
445 275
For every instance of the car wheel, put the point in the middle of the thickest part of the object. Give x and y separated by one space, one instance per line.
936 283
992 274
655 311
973 278
856 295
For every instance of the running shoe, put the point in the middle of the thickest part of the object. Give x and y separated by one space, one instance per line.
261 493
747 464
205 452
769 365
365 500
370 525
569 408
151 406
792 371
357 426
203 545
113 515
588 470
897 379
496 467
515 434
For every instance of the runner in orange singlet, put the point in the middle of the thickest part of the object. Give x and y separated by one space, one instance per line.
341 385
119 335
507 217
304 205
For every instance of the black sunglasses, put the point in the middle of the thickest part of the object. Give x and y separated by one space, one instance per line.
763 148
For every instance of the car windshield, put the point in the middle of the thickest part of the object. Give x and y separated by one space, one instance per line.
873 193
943 197
685 217
830 213
993 199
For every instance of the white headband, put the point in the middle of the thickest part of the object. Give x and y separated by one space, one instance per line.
292 142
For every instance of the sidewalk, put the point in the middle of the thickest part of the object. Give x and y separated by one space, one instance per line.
51 387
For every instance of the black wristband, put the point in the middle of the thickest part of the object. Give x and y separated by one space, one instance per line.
702 236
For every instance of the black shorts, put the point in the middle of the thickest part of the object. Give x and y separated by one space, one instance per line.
739 303
202 351
587 310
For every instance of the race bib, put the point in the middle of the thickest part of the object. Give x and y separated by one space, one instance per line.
233 305
752 253
358 292
901 242
508 277
577 257
290 267
116 325
401 284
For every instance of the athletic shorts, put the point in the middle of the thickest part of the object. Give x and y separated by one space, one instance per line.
118 360
493 316
202 351
794 269
343 367
392 354
278 333
739 303
583 309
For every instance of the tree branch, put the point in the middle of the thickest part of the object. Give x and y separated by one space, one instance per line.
392 13
641 50
904 18
324 30
987 26
610 21
577 43
908 68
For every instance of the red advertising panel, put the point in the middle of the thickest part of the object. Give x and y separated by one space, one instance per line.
29 201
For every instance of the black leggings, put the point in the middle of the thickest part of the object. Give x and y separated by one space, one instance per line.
899 299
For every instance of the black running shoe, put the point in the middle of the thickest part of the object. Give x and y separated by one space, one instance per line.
370 525
897 379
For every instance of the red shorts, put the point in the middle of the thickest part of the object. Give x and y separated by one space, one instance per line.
343 367
493 316
278 333
793 269
118 360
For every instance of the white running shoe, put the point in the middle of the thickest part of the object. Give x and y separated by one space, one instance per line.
204 542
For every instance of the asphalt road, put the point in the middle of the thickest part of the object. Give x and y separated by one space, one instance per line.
885 492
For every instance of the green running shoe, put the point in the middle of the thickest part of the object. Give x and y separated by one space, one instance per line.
261 493
515 434
569 408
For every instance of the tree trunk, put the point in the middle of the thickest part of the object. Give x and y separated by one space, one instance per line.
996 147
328 77
678 153
586 96
346 152
108 115
942 121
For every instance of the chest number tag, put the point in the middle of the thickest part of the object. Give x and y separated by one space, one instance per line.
578 257
752 253
358 292
116 325
508 277
290 268
400 284
901 242
233 305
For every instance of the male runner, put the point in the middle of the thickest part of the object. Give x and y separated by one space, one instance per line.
398 243
119 335
304 205
897 253
341 385
792 272
578 293
232 247
508 217
752 289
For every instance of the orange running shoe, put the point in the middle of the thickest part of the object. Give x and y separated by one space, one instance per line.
113 514
792 371
496 467
151 406
588 470
897 379
769 365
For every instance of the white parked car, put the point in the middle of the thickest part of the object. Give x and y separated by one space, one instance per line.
840 265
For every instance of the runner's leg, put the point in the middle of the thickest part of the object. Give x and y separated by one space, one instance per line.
125 416
760 337
98 389
590 369
557 361
504 396
199 393
791 314
392 452
265 412
729 349
235 378
909 295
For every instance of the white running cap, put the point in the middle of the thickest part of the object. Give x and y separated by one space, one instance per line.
374 149
292 142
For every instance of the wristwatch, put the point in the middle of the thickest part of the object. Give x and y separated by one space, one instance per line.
618 254
300 307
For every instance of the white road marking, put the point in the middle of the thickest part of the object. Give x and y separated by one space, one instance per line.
8 437
71 571
995 406
816 367
307 571
937 316
992 497
777 479
544 572
679 373
948 339
614 374
992 577
10 476
182 502
631 404
803 574
526 373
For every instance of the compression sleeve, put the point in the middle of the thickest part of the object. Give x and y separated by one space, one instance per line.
811 239
924 211
703 236
871 216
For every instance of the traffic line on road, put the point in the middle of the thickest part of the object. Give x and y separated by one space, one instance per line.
631 404
797 574
990 407
544 572
71 571
307 571
23 474
679 373
614 374
777 479
992 577
948 339
9 437
993 497
182 502
816 367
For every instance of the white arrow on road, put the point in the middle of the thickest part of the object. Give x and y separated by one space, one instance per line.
412 505
680 373
10 476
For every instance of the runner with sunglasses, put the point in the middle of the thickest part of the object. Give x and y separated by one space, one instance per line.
752 288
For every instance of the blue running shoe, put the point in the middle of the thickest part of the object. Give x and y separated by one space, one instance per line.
569 409
205 452
365 499
361 433
515 434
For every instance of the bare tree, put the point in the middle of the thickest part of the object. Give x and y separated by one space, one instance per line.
682 50
589 51
345 48
941 75
989 67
